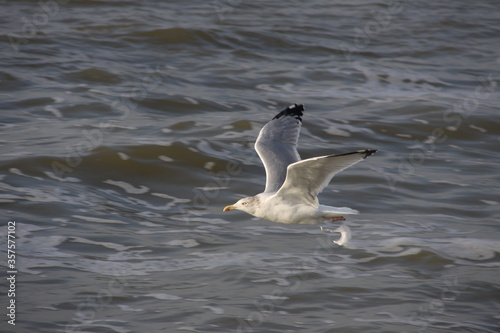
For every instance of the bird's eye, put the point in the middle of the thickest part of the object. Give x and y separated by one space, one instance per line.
244 203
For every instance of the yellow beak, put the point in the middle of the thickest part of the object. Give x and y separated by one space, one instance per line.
227 208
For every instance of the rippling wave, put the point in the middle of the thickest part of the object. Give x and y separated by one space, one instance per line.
127 127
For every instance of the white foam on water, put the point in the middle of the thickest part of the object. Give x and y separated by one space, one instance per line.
97 219
183 242
214 309
129 188
164 297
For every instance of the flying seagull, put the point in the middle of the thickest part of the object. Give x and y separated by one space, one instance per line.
292 184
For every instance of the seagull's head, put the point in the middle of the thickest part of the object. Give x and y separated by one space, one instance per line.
248 205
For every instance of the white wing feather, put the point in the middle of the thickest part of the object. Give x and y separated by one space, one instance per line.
307 178
277 145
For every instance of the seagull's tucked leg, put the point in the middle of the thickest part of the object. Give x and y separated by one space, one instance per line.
334 218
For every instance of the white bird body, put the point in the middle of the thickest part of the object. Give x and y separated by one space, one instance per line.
275 208
292 185
278 209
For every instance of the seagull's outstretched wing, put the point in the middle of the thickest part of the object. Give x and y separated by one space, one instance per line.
277 145
307 178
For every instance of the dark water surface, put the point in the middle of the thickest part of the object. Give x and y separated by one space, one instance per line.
126 126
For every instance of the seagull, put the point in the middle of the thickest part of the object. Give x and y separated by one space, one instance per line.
292 184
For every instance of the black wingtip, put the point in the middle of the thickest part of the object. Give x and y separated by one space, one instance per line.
368 152
295 110
364 152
